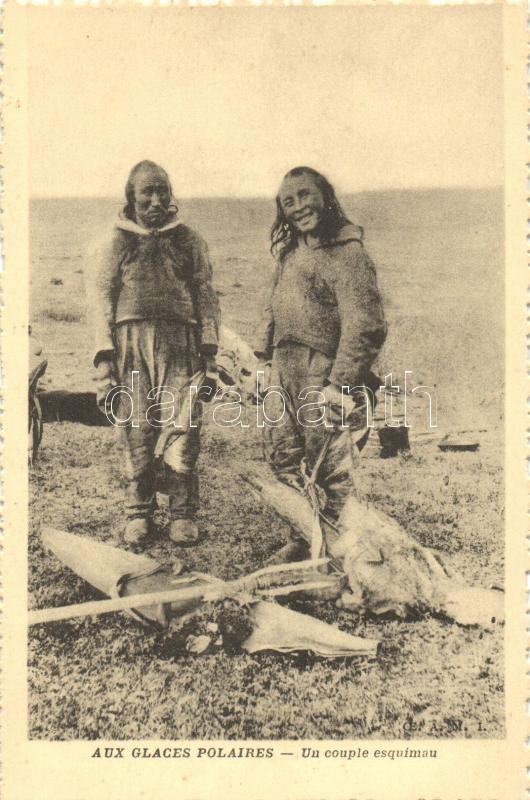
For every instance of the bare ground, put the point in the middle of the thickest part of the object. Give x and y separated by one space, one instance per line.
108 678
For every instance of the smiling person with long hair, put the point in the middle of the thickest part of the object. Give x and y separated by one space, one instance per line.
320 216
324 327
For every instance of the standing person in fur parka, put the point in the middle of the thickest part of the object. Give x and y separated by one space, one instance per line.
154 312
324 326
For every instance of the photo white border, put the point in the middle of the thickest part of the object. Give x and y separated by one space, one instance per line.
464 769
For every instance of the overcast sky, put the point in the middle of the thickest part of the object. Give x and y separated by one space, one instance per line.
229 99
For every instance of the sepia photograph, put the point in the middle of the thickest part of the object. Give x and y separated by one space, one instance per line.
267 382
325 226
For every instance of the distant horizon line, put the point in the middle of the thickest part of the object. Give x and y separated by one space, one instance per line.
456 187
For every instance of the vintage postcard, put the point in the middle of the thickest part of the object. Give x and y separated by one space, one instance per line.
264 376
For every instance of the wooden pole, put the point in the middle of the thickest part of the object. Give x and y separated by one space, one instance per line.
215 591
36 616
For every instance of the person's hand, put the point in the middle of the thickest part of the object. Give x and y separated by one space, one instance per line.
208 387
106 378
332 394
209 365
343 410
333 400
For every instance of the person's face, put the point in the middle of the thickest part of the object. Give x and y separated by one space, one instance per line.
302 202
152 197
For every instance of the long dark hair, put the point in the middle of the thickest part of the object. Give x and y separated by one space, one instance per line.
284 235
128 210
